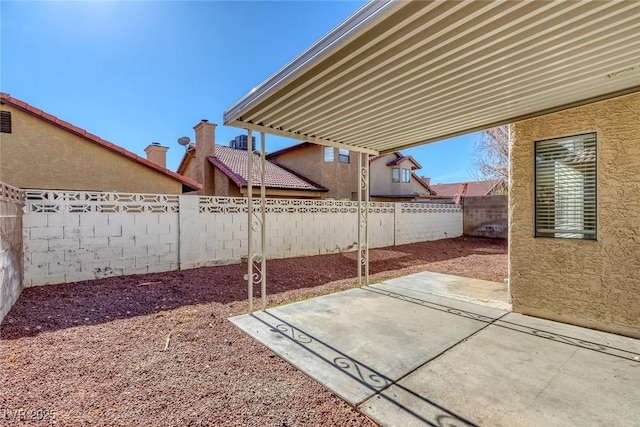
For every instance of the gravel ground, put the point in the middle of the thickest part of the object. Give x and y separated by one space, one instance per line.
93 352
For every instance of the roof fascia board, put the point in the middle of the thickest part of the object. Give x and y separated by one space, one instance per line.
315 140
355 24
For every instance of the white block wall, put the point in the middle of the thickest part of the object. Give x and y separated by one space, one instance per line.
68 247
416 222
10 247
80 236
210 238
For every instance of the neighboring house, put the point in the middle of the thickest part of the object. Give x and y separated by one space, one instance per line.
392 178
223 170
38 150
336 169
447 192
574 242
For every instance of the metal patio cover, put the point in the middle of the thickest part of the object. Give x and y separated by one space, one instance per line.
400 74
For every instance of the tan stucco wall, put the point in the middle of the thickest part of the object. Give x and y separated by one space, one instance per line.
381 178
40 155
223 185
340 178
589 283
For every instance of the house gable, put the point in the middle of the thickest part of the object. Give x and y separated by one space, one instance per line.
45 152
382 180
307 159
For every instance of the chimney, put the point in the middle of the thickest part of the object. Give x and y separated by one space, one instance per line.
205 147
157 154
205 139
426 179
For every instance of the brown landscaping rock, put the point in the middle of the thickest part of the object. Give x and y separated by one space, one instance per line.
96 352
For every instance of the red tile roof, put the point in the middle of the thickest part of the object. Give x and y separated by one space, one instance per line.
233 163
5 98
424 183
402 158
475 188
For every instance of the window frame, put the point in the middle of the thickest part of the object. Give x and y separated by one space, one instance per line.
326 151
6 125
406 173
342 156
394 178
558 233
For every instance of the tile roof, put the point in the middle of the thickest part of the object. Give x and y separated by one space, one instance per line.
475 188
233 163
5 98
402 158
424 183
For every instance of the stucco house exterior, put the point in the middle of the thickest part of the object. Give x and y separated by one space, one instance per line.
585 270
39 150
392 178
333 168
223 170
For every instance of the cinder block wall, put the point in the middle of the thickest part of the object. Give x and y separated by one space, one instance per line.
220 237
10 247
486 216
419 222
81 236
68 247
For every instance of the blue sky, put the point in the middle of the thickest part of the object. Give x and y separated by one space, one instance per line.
137 72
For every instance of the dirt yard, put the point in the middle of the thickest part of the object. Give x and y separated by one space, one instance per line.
157 349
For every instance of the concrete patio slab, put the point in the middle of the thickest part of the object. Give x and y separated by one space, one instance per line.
520 371
404 356
360 341
476 291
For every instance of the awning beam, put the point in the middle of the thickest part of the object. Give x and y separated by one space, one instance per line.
300 137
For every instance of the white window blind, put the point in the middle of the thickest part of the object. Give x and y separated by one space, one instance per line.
329 154
565 187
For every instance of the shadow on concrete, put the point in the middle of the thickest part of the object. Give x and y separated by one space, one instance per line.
364 374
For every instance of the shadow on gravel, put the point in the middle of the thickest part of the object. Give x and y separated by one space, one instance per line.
54 307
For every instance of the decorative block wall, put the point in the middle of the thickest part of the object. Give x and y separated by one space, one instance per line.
72 236
11 201
420 222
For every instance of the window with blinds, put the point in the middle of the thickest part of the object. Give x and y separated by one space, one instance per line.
329 154
565 187
5 121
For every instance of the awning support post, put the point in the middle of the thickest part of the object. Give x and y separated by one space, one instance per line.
263 221
363 218
249 277
256 216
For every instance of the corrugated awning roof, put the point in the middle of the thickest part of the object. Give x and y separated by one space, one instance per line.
399 74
